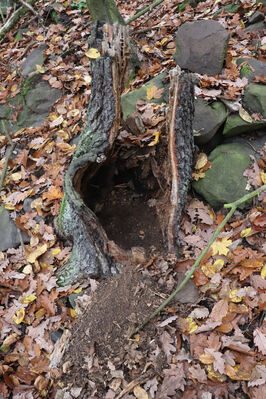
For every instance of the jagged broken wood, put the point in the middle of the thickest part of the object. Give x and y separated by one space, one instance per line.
104 167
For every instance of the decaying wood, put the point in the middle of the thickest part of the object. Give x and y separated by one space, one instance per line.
180 148
166 167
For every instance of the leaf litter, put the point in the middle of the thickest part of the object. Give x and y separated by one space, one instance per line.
213 346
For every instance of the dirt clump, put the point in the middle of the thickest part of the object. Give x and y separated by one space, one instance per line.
101 341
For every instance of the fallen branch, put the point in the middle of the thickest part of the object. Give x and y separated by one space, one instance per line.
233 207
142 12
25 4
10 151
15 17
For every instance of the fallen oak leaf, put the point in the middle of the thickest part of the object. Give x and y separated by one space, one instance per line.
219 311
31 258
260 340
154 92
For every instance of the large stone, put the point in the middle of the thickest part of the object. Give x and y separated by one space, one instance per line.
201 46
207 120
36 98
41 97
235 125
251 67
9 235
36 57
224 182
254 99
129 100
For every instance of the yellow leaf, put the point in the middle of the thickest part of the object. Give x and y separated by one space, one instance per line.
245 233
245 115
31 258
235 298
135 339
202 160
14 88
140 393
72 312
40 68
197 176
40 38
19 316
206 358
56 251
29 299
210 269
156 139
9 206
93 53
263 177
191 325
78 290
16 176
263 272
219 247
214 375
27 269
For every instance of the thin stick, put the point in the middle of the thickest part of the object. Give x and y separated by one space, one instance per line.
10 151
233 207
25 4
142 12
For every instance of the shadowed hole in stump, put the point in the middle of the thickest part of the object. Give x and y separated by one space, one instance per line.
122 193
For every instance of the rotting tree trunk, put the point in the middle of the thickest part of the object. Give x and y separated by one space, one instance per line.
110 185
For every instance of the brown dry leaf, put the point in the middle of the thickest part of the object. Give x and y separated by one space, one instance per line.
201 161
53 194
31 258
154 92
260 340
219 310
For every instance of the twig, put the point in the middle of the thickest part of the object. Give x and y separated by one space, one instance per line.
142 12
25 4
148 29
10 151
14 18
233 207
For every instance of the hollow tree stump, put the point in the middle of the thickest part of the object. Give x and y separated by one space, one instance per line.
116 196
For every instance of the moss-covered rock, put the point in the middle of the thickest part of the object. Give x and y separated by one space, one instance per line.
235 125
254 98
129 100
224 182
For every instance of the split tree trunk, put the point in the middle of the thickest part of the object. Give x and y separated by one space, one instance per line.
160 175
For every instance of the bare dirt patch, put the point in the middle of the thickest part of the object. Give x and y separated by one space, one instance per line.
100 343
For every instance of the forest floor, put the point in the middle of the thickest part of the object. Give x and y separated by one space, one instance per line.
210 341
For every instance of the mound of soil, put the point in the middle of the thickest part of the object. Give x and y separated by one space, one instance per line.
101 337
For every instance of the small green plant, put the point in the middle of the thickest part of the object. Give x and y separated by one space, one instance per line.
79 4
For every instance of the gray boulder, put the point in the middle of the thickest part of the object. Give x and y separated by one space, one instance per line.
207 120
201 46
36 57
251 67
9 235
235 125
224 182
254 99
